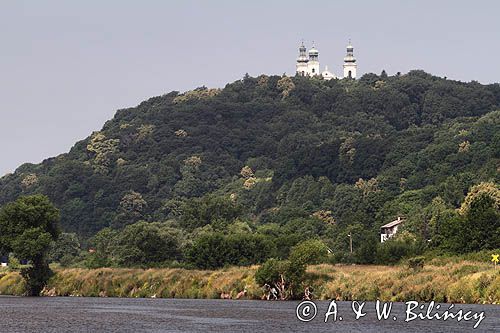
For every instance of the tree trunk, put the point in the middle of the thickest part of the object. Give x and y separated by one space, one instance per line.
36 276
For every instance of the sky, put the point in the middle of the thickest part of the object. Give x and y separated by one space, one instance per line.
67 66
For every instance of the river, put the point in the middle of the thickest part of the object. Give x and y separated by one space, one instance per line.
75 314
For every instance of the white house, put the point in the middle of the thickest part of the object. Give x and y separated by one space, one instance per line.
390 229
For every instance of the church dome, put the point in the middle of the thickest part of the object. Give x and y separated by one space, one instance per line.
327 75
313 50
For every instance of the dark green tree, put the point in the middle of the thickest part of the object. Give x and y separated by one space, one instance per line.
286 276
482 227
215 250
66 249
211 209
27 228
145 243
310 252
209 251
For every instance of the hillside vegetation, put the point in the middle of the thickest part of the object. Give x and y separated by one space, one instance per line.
235 176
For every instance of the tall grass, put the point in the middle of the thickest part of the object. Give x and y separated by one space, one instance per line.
457 282
464 282
171 283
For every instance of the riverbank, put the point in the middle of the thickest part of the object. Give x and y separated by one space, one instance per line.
441 281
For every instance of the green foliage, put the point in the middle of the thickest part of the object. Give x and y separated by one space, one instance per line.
132 208
309 252
366 252
482 224
416 263
144 243
475 227
451 232
66 249
139 244
394 249
36 276
215 250
31 243
278 153
214 210
27 228
364 244
286 276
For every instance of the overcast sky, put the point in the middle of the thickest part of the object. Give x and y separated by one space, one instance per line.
67 66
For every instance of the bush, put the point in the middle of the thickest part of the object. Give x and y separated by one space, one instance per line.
310 252
416 263
93 260
146 243
393 250
215 250
270 272
66 246
285 275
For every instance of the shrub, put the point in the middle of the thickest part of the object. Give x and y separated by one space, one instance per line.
393 250
285 275
215 250
310 252
416 263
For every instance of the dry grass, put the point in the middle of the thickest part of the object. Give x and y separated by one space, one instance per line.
457 282
464 282
172 283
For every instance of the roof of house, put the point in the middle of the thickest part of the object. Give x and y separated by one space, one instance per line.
393 223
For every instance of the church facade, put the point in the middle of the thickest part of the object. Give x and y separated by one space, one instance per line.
308 64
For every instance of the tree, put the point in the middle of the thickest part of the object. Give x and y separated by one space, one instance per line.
365 150
473 227
214 250
210 209
478 191
65 249
209 251
482 224
140 244
27 228
451 235
132 208
286 85
103 243
102 149
311 252
246 249
402 245
286 276
146 243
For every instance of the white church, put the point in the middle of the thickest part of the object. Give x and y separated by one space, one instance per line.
308 63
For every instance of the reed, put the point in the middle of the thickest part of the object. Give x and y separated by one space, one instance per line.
456 282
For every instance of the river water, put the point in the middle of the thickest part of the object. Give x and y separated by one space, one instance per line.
82 314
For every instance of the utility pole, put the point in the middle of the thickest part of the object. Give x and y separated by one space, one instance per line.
350 240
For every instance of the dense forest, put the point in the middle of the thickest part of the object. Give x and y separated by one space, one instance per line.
234 176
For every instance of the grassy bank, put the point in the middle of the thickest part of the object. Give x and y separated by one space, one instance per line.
442 281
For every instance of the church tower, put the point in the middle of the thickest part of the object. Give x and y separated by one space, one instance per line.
313 64
301 66
350 63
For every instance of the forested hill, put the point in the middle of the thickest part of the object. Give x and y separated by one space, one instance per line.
352 153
